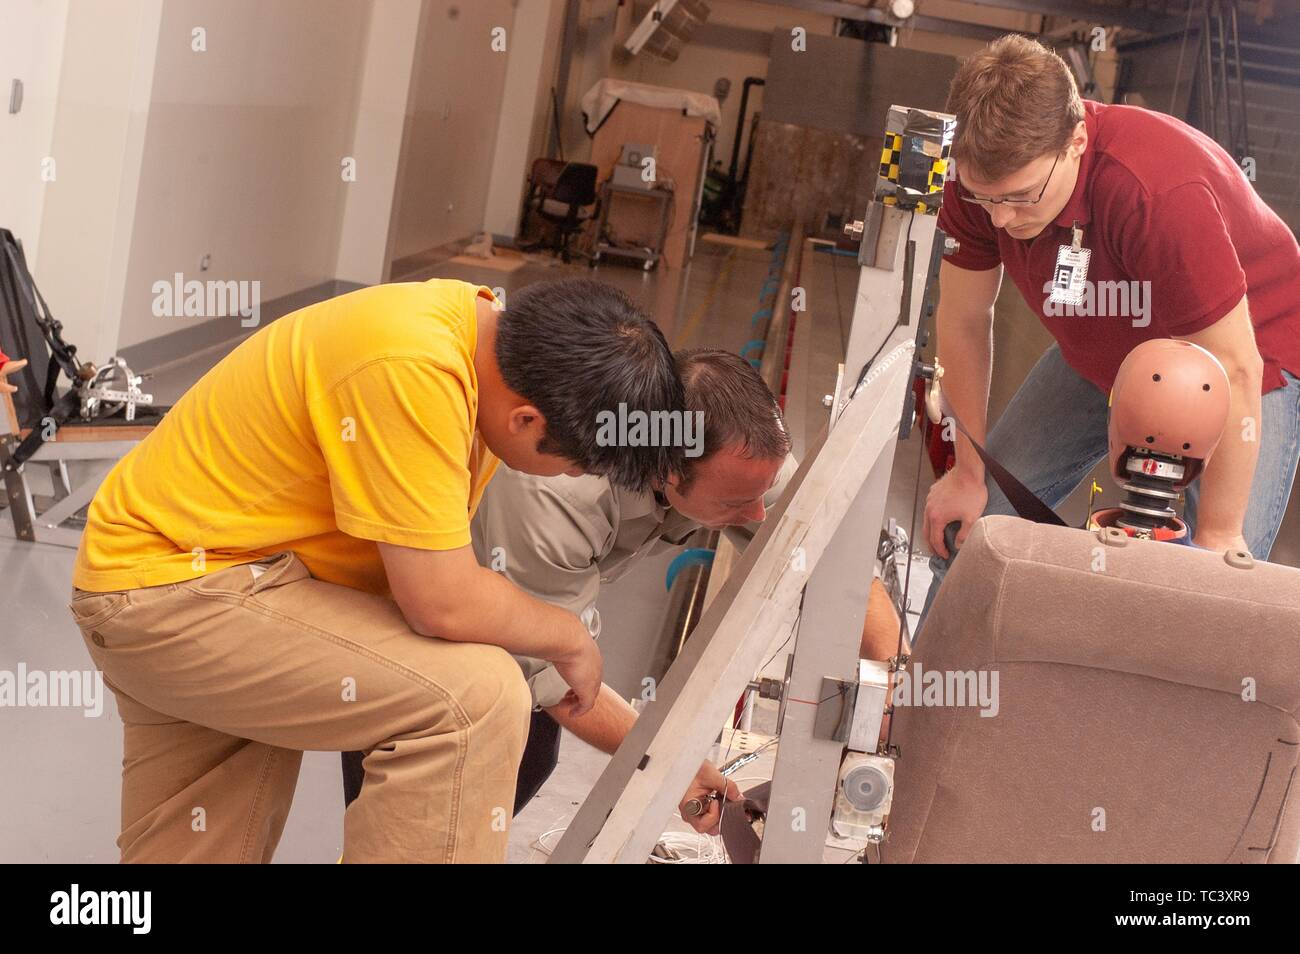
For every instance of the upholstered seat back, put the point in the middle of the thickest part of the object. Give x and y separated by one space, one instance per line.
1145 709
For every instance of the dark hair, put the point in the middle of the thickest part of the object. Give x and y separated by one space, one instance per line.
576 347
737 404
1015 100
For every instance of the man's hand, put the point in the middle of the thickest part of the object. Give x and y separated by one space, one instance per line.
8 368
708 781
582 670
957 495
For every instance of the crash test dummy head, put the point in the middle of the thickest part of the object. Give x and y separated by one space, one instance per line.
1168 408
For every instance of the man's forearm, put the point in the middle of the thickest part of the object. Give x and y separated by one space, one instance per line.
500 613
446 594
966 353
1226 481
611 718
605 726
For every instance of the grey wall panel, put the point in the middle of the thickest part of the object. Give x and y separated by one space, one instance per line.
848 85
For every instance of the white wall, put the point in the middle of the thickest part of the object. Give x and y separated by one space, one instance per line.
598 21
451 127
525 109
31 49
105 85
242 157
377 141
166 153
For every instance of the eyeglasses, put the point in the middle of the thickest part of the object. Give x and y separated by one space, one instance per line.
979 200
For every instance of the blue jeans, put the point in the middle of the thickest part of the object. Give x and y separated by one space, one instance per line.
1053 433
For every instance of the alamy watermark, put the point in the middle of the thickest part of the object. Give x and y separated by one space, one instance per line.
636 428
208 299
55 689
1120 299
132 909
950 687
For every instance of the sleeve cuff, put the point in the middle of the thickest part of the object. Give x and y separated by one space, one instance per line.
973 263
548 688
1209 316
364 529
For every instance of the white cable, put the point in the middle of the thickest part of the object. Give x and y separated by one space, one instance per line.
694 847
540 843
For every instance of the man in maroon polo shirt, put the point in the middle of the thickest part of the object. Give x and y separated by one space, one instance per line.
1117 225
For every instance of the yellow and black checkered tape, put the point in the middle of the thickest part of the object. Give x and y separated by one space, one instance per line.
891 156
938 169
891 160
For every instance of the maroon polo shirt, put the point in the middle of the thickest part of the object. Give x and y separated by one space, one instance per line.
1158 201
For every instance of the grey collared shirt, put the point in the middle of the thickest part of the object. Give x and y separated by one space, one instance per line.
560 538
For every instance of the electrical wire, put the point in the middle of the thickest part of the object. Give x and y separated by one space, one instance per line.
781 647
862 375
794 634
726 768
907 579
695 847
539 843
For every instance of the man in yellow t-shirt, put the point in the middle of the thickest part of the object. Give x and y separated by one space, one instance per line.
284 564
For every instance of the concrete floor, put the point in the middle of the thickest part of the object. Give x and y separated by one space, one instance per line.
59 797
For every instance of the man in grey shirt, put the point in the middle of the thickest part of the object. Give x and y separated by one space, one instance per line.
560 538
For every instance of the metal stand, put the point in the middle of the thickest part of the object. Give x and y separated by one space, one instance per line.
649 256
624 815
817 552
35 524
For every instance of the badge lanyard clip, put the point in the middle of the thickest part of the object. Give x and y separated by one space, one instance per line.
1069 279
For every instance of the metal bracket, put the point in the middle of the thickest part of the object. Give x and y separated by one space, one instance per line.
851 711
941 246
22 510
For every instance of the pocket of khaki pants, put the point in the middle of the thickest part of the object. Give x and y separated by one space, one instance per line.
276 570
241 580
94 609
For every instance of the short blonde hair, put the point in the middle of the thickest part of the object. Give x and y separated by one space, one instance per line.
1015 101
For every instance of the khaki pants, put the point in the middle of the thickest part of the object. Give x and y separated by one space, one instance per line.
224 681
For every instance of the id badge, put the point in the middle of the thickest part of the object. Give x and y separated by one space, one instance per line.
1070 275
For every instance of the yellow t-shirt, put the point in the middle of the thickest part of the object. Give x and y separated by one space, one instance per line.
349 422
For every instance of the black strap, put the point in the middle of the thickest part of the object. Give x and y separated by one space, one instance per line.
64 409
52 380
1022 499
